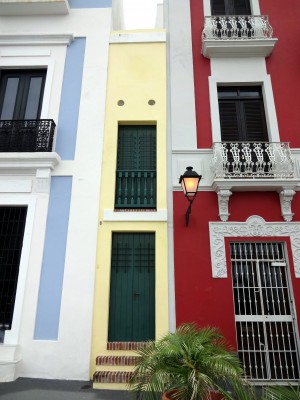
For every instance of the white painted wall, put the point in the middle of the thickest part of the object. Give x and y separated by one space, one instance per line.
181 75
69 356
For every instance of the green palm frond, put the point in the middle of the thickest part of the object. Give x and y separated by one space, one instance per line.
283 392
192 361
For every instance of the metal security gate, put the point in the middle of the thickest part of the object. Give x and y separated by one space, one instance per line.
264 315
12 226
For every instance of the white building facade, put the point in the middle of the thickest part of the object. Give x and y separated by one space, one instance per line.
53 72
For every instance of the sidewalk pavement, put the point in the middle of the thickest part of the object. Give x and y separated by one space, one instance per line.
48 389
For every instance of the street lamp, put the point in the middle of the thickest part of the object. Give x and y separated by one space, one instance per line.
189 182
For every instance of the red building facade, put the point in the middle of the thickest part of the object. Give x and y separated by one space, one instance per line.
237 263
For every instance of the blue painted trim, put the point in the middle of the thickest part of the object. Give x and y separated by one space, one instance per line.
70 100
90 3
51 281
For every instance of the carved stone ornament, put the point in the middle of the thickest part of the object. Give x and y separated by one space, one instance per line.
286 197
255 226
223 199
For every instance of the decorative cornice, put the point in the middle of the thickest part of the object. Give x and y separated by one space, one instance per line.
255 226
27 163
36 39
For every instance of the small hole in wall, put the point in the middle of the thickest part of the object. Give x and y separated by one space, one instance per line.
151 102
121 103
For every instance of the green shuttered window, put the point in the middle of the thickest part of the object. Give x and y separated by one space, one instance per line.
132 287
136 167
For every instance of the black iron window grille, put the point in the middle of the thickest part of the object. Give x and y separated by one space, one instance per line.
26 135
12 226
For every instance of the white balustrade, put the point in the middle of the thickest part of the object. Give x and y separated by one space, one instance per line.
232 27
252 160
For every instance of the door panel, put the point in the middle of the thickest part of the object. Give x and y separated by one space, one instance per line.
132 288
265 322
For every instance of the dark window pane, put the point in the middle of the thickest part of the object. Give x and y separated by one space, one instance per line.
33 99
241 7
10 98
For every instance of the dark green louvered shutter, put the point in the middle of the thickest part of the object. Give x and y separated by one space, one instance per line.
132 288
136 167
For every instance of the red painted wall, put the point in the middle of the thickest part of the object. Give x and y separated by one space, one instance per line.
201 73
199 297
284 65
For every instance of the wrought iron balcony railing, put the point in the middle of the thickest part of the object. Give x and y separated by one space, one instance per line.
135 189
26 135
231 27
252 160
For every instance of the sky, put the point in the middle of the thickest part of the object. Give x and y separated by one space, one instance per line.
140 13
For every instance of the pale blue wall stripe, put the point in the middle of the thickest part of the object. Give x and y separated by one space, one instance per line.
70 100
51 280
90 3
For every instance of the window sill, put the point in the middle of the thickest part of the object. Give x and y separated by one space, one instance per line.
143 216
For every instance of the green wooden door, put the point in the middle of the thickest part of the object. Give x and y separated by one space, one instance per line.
132 287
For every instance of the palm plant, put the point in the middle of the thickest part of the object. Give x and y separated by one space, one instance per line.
241 390
191 363
283 392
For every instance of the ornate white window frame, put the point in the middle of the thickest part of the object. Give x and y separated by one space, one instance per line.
268 98
255 226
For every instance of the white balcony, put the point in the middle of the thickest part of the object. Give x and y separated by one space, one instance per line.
250 160
254 166
33 7
237 36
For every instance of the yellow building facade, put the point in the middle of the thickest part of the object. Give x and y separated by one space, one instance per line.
136 99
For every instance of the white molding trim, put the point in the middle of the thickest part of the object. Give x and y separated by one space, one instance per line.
255 226
138 37
238 48
33 7
270 111
35 39
160 215
257 185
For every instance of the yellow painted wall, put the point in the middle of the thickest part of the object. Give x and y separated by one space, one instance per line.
137 74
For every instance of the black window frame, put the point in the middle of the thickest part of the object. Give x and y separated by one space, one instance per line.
24 76
248 103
